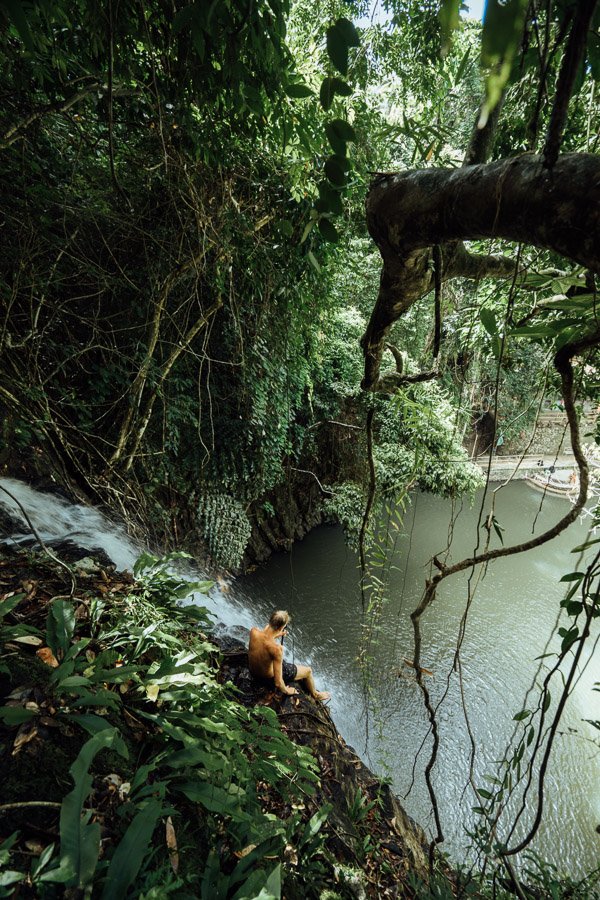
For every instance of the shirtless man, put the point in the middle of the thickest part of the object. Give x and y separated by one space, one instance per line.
265 658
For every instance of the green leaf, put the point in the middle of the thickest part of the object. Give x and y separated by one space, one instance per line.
79 841
314 261
329 88
328 231
329 199
307 229
9 604
16 715
574 608
348 32
338 145
89 722
488 320
42 862
335 170
298 91
343 130
326 94
498 529
524 714
19 19
214 798
573 576
337 49
272 846
315 823
487 795
449 18
9 877
129 855
60 626
73 681
502 31
585 545
462 66
569 638
341 87
547 701
273 885
194 756
532 331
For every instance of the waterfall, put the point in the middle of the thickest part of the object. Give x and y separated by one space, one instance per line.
57 519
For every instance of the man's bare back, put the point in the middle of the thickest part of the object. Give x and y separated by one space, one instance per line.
262 652
265 658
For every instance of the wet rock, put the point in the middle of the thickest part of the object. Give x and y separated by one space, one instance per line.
71 552
343 774
11 524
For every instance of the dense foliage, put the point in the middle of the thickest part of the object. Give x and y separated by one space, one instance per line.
170 186
129 672
186 276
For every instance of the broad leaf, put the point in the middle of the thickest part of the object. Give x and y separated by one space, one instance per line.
502 31
80 841
129 855
328 231
299 91
348 32
449 18
337 49
488 320
60 626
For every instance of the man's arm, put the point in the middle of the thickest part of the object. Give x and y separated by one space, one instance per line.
278 672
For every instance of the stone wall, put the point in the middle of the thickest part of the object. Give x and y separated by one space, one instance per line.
551 436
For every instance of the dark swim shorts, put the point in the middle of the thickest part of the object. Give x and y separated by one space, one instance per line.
289 671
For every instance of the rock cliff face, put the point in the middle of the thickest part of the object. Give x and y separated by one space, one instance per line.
365 811
285 515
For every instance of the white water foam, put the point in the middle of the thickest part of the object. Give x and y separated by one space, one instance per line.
55 518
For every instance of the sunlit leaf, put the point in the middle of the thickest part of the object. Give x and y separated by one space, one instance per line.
449 18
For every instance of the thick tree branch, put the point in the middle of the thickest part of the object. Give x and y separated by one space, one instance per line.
514 199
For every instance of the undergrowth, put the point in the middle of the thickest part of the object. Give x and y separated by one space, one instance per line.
170 780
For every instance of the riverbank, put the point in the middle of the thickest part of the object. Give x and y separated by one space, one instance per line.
516 467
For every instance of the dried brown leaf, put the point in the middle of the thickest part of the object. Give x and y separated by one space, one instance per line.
35 846
47 656
171 838
290 855
242 853
27 732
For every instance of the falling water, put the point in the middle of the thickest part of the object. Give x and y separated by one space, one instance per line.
57 519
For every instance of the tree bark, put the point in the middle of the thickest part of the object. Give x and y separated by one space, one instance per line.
514 199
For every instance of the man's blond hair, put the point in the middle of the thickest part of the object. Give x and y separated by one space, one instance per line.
279 619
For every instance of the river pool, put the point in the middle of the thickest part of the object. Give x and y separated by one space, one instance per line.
511 621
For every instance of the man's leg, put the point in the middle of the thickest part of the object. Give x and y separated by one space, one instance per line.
304 673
